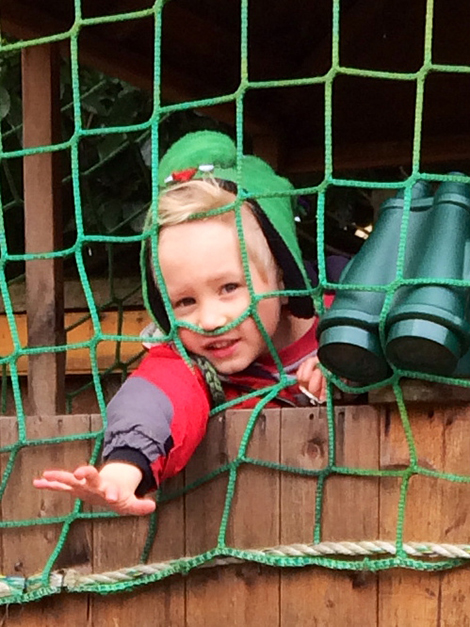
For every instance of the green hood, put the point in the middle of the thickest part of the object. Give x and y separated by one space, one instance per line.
216 153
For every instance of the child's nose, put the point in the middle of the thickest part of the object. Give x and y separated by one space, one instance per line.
212 316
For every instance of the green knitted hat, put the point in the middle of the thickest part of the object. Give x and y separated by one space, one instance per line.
202 153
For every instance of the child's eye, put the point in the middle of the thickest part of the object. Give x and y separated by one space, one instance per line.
184 302
230 287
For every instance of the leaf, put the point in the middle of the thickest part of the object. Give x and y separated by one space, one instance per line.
110 144
135 213
146 152
124 109
4 102
96 103
110 214
15 114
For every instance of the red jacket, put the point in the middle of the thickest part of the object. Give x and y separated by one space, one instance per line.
160 414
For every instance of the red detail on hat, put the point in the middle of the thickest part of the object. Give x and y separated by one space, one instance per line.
184 175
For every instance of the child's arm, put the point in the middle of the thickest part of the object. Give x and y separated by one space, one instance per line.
155 422
113 486
310 377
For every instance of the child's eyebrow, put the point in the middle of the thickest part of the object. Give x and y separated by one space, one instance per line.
181 292
228 276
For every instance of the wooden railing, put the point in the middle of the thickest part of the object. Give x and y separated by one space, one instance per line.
270 508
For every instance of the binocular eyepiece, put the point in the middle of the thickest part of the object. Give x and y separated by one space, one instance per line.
426 328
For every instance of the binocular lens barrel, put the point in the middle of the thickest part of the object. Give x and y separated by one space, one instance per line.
427 328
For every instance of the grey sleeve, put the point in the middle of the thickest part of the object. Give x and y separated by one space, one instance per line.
139 417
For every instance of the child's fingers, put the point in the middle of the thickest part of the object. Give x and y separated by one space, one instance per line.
45 484
308 366
88 473
316 384
144 507
306 370
140 507
311 378
85 483
62 476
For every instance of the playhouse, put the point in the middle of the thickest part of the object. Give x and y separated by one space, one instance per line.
354 513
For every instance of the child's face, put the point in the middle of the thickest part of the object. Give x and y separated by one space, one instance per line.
202 267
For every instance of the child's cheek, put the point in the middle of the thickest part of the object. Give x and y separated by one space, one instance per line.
188 339
238 306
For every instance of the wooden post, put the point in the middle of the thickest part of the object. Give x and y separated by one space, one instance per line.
43 227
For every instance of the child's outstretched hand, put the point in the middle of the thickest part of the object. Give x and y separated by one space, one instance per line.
311 380
112 486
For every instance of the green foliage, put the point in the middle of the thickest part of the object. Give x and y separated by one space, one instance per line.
115 177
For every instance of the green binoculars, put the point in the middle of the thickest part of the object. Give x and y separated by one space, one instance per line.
427 328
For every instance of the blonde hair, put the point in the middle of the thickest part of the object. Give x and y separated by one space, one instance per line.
182 201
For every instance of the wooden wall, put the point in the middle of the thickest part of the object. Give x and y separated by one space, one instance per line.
269 508
80 329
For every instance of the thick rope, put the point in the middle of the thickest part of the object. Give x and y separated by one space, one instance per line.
73 580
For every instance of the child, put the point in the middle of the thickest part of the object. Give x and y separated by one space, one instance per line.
159 416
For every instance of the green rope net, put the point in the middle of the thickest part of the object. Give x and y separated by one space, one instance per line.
113 143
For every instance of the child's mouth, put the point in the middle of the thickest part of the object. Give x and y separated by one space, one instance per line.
222 348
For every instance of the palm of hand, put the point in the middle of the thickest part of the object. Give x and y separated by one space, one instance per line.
113 487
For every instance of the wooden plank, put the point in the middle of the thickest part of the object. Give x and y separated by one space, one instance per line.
151 606
408 596
170 537
170 544
74 296
54 611
357 448
43 226
454 597
155 605
395 153
165 600
80 329
244 594
304 445
27 549
349 512
415 391
110 553
204 505
254 515
455 600
81 390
